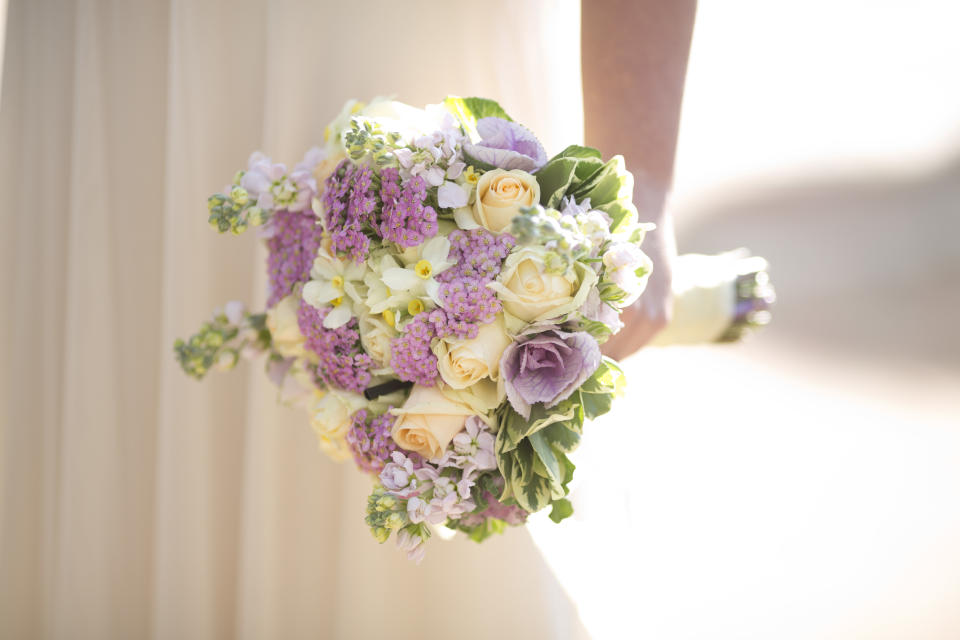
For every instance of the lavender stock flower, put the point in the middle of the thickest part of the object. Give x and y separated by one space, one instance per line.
547 367
506 145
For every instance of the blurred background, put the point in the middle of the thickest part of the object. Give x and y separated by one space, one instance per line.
805 484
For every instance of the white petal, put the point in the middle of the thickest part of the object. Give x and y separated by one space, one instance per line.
433 290
434 176
338 317
324 268
318 293
354 271
400 279
455 169
388 263
464 218
452 196
436 250
255 182
350 289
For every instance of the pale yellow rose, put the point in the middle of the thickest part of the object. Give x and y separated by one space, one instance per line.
531 293
284 328
376 336
330 417
500 196
427 422
463 363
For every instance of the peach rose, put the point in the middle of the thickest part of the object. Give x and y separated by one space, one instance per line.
427 422
463 363
500 196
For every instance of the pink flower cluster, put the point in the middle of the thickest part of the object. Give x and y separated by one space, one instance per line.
371 442
349 203
406 220
478 255
343 363
292 248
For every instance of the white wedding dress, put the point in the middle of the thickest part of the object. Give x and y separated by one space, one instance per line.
135 503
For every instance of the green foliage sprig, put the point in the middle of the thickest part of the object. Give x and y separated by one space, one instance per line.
235 211
581 173
532 454
219 343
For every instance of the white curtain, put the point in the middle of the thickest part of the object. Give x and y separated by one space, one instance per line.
135 502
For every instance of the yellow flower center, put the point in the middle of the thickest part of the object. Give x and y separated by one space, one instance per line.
336 302
415 306
424 269
337 282
471 176
389 318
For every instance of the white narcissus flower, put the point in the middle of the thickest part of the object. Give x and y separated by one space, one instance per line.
419 279
334 283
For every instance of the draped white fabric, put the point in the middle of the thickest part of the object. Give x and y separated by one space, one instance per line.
135 502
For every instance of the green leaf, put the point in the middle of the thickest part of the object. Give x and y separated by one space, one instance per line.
485 108
541 417
562 508
622 214
596 404
577 151
554 179
545 453
564 172
468 110
610 183
491 526
530 490
561 437
598 391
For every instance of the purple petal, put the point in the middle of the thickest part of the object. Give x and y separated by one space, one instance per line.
506 145
547 367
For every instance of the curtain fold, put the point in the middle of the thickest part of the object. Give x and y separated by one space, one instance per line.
134 501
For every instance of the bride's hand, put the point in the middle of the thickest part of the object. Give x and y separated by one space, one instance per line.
653 311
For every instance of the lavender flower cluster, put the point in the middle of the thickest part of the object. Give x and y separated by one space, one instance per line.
291 249
343 363
406 220
370 440
349 202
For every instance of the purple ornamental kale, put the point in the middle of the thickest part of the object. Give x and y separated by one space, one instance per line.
506 145
547 367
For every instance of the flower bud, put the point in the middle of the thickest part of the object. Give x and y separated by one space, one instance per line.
239 195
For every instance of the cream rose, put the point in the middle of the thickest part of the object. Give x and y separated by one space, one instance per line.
463 363
500 196
284 328
330 417
375 336
324 171
532 293
427 422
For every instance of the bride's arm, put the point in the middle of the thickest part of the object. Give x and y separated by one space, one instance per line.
634 58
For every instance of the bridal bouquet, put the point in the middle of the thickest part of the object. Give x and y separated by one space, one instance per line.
439 289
